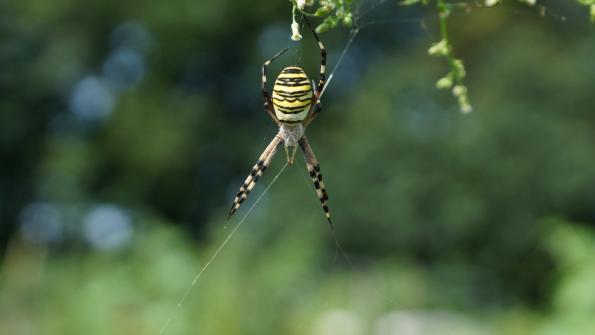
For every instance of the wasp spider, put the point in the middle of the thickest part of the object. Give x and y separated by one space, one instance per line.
293 106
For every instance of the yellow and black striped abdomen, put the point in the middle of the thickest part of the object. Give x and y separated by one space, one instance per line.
292 95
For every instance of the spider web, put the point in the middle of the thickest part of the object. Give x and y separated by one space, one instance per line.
367 15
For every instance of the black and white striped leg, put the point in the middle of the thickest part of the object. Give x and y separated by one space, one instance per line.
322 79
268 104
316 175
257 170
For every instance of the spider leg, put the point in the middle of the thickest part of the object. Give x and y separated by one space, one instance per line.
313 113
314 170
321 81
322 77
257 170
268 103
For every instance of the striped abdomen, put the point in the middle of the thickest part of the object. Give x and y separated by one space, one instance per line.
292 95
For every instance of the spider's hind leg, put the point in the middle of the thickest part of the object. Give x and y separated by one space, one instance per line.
316 175
257 170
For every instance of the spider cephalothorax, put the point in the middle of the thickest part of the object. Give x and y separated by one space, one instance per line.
293 105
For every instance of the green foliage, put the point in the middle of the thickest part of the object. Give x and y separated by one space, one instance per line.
285 287
457 70
413 2
591 4
334 12
574 300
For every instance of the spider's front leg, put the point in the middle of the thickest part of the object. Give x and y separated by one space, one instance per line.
321 81
268 103
257 170
313 113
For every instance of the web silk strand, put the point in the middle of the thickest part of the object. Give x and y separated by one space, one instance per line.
214 255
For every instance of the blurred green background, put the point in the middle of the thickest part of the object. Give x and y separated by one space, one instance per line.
127 127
